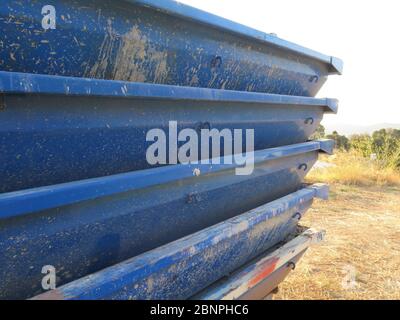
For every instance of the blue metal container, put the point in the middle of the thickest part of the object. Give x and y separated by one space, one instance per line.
61 129
153 41
183 268
82 227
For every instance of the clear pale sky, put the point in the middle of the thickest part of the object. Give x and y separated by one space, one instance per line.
364 34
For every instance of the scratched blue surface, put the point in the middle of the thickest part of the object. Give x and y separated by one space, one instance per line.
75 104
181 269
155 42
60 129
82 227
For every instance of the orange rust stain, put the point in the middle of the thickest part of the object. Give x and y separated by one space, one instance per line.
266 269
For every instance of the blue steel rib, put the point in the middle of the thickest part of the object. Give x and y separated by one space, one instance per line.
61 129
82 227
181 269
162 42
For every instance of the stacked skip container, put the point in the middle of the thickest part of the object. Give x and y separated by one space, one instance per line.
82 83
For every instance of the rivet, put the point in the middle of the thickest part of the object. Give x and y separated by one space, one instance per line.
309 121
206 126
303 166
297 215
2 102
196 172
193 198
216 62
291 265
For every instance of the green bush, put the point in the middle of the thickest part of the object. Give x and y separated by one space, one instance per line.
341 142
361 143
384 143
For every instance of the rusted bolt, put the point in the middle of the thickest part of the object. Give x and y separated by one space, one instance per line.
196 172
291 265
297 215
309 121
303 166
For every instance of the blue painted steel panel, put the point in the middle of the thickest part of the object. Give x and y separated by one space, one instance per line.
181 269
61 129
82 227
156 42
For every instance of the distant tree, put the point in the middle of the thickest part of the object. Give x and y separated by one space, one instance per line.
394 132
378 140
341 142
319 133
386 145
362 143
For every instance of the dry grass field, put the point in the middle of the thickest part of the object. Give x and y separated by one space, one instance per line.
360 257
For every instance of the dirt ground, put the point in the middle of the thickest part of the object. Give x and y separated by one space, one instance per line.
360 256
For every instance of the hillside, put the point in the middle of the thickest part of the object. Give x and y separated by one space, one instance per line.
349 129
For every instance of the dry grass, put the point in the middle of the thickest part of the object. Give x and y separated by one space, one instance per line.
362 221
352 169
